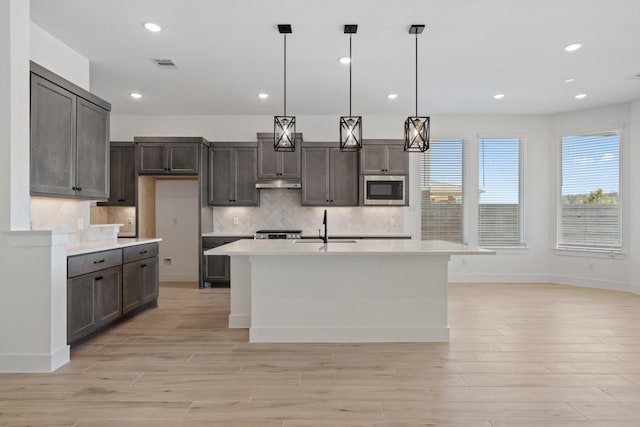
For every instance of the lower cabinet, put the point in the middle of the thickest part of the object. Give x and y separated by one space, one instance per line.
216 269
139 283
93 301
140 276
101 289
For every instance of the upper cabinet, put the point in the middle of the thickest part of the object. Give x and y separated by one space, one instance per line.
69 139
277 164
232 174
384 157
168 155
329 176
122 174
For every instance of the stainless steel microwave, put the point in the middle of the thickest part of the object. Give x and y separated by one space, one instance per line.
384 190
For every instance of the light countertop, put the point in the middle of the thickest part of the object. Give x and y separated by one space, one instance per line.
313 236
105 245
358 247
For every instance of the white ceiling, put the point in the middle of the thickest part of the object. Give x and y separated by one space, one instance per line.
227 51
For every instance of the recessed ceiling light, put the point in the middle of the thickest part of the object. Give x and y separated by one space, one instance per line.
498 96
571 80
581 96
154 28
344 60
392 95
135 95
572 47
263 95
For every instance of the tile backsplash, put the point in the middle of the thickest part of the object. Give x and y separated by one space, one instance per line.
280 209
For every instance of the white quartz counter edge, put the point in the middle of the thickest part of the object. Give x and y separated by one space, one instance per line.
331 236
102 245
360 247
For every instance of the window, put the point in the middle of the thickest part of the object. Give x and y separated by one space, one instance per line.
500 206
589 214
443 213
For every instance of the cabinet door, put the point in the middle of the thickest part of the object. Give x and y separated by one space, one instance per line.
92 151
373 159
398 160
131 287
149 277
315 176
109 296
245 176
115 176
220 176
53 139
183 159
81 306
268 160
128 177
216 267
344 178
291 163
152 159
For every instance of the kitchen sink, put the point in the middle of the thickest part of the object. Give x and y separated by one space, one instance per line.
320 241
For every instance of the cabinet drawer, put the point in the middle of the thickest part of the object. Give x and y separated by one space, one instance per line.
88 263
135 253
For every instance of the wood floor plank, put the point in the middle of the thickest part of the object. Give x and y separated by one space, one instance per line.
521 394
375 393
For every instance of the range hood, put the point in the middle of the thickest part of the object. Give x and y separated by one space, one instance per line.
278 183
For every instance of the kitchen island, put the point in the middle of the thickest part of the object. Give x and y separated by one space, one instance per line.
341 291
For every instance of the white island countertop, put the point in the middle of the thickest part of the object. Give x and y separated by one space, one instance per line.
105 245
344 247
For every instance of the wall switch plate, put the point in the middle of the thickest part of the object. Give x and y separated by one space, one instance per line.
166 261
80 224
392 221
236 221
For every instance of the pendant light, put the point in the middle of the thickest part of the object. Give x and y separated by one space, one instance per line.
284 127
416 128
350 126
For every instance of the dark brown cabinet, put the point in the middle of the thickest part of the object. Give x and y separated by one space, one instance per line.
232 174
139 276
122 175
329 176
101 289
94 297
164 158
277 164
69 139
384 157
216 269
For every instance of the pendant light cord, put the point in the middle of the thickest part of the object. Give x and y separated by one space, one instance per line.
350 61
416 75
285 74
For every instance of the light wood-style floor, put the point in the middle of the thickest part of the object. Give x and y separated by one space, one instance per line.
523 355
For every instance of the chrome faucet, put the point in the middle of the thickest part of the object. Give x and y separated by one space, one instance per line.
324 238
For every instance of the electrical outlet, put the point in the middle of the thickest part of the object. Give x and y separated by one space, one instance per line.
590 266
129 221
464 262
80 224
236 221
392 221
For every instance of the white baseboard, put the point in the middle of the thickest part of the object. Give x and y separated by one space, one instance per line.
186 277
498 277
346 335
587 282
31 362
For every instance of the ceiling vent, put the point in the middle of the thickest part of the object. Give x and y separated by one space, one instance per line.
164 63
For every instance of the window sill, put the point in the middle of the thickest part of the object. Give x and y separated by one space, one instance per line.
590 253
508 249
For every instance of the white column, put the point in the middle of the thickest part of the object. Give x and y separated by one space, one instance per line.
14 115
33 292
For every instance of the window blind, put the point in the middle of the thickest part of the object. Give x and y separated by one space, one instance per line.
500 206
443 214
589 208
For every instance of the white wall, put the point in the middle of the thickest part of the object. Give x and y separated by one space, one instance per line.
177 223
601 270
56 56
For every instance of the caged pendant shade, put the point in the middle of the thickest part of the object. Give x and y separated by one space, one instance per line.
350 126
284 127
416 128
